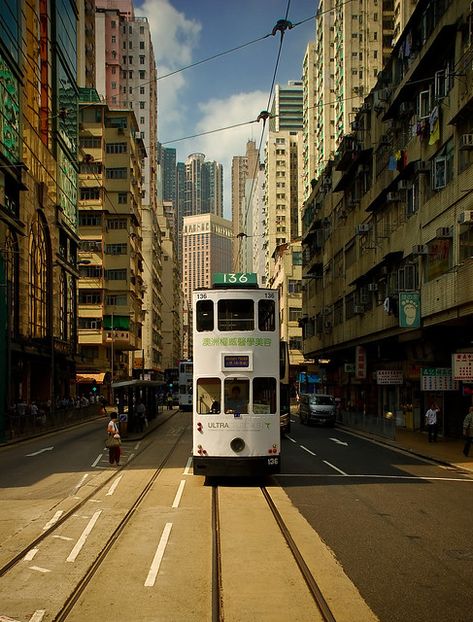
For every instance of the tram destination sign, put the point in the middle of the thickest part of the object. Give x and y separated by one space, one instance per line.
233 360
235 279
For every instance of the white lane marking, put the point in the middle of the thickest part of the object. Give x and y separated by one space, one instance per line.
39 569
400 477
81 541
179 492
82 480
334 467
137 445
97 460
54 520
64 538
38 615
30 555
113 486
339 442
130 457
291 439
158 556
187 470
307 450
36 453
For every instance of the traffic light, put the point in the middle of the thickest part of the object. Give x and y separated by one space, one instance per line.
170 385
94 387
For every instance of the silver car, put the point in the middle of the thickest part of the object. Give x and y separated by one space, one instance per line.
317 408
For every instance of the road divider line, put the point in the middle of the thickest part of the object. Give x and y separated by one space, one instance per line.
334 467
82 480
113 486
158 556
307 450
30 555
187 470
291 439
180 490
137 446
81 541
97 460
36 453
63 538
38 615
39 569
54 520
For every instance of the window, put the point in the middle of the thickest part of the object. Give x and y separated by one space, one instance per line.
465 240
116 249
442 167
142 90
116 148
264 396
236 395
142 75
208 395
142 45
89 194
89 219
116 275
439 258
294 286
424 104
297 258
294 314
236 315
407 277
205 315
117 223
90 142
266 315
142 60
117 173
142 105
295 343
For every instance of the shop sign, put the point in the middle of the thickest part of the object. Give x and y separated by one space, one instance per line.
409 309
389 376
462 364
437 379
360 363
349 368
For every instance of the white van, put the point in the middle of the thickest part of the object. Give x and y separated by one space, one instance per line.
317 408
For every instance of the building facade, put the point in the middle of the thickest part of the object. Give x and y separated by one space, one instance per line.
387 242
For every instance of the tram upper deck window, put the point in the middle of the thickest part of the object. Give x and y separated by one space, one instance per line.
236 315
205 315
266 315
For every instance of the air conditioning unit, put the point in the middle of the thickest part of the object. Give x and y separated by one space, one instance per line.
420 249
392 196
465 217
466 141
362 229
444 232
404 184
372 287
422 166
358 309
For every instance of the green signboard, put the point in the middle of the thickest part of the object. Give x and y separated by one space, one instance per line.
409 309
235 279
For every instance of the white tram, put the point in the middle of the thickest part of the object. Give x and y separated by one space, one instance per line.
236 429
185 385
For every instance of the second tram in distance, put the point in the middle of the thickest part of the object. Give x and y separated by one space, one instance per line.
236 341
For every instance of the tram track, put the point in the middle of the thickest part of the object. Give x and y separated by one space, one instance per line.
218 613
46 533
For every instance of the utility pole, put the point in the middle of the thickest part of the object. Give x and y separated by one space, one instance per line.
3 350
112 361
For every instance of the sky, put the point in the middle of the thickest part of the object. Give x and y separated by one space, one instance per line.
231 89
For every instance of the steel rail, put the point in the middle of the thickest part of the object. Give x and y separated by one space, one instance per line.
47 532
217 603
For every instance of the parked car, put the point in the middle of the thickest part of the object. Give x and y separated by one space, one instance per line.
317 408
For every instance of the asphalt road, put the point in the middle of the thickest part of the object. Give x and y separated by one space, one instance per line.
400 526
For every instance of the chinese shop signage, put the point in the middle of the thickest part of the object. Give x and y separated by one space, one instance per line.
462 364
437 379
360 363
389 376
409 309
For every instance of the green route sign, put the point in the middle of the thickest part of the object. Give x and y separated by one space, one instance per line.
235 279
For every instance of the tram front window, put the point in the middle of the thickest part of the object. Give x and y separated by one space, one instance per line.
266 315
208 396
236 396
264 396
236 315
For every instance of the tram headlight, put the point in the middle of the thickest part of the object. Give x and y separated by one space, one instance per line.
237 444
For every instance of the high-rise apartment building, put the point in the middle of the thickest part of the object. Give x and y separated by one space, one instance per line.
126 77
286 109
207 248
244 169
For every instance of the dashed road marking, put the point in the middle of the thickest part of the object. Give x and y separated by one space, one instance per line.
180 490
80 543
113 486
334 467
54 520
30 555
97 460
39 569
187 470
158 556
307 450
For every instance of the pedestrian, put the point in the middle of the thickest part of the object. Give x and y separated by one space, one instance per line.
141 416
113 440
468 431
431 420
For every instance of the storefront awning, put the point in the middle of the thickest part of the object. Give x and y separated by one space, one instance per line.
89 378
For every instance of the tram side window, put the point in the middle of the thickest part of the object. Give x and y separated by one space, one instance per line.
236 315
205 315
208 396
264 396
266 315
237 392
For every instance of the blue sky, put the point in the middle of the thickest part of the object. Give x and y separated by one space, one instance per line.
228 90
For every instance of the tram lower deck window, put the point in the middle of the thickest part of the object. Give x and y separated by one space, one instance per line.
236 315
264 395
208 396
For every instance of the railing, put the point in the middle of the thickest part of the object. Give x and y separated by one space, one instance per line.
21 424
380 426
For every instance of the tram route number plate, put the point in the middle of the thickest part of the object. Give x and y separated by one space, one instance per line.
273 461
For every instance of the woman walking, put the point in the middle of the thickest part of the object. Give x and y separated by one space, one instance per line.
113 440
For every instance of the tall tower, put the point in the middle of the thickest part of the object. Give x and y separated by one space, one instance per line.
286 109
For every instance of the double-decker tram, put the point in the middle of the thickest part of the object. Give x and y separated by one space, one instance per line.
185 385
236 377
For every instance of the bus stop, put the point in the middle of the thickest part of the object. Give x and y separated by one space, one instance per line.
127 395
